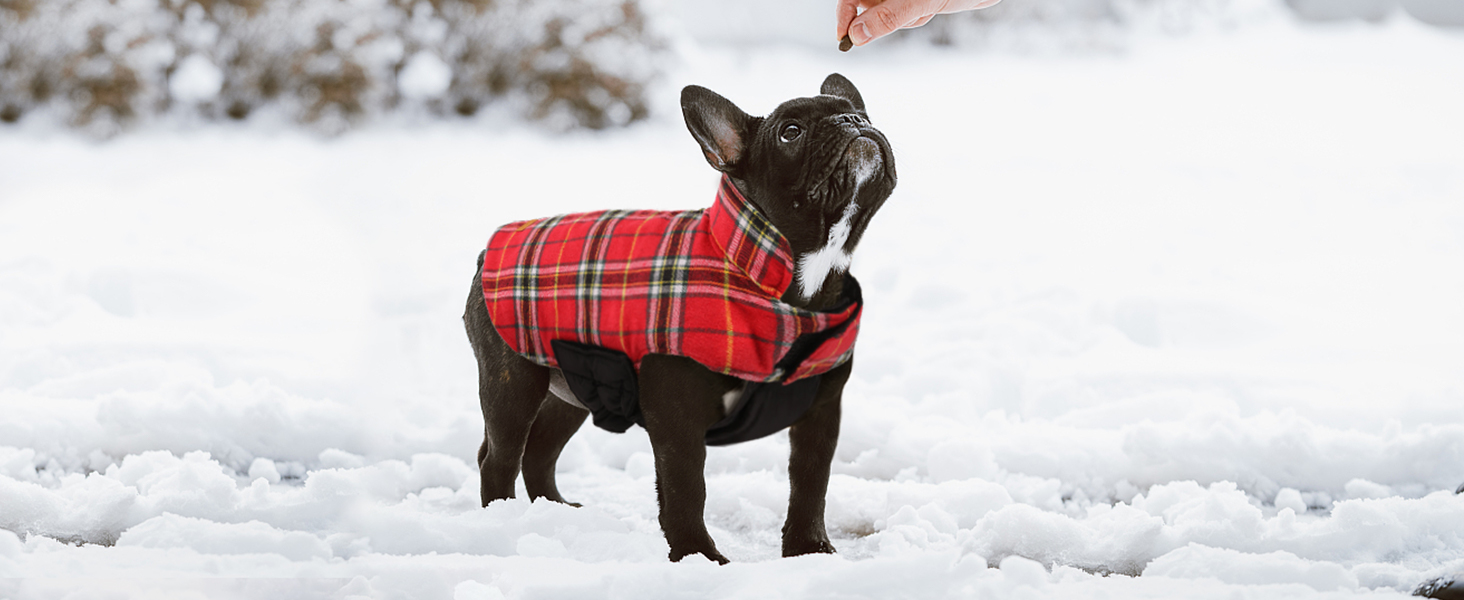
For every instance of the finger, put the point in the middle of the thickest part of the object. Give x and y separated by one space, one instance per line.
918 22
884 18
844 13
955 6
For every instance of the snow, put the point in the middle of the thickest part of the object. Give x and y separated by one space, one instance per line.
1180 320
196 80
424 77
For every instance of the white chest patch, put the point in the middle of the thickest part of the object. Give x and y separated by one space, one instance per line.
814 267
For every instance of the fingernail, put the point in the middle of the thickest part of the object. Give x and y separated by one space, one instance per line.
859 33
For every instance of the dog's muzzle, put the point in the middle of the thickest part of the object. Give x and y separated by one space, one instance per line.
864 158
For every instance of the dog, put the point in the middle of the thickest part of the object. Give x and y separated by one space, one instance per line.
706 327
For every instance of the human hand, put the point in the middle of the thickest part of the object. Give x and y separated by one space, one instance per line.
882 17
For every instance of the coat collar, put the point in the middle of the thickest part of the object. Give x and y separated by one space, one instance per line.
749 241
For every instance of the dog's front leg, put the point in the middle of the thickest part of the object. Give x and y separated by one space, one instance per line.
813 439
681 401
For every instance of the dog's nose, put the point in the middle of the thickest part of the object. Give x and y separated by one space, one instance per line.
850 119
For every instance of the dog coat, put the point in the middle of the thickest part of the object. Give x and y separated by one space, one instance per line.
593 293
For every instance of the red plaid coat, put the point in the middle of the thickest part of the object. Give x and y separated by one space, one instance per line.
704 284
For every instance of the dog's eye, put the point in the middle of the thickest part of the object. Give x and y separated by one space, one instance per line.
790 132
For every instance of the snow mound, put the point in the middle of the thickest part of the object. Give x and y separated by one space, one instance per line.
1231 566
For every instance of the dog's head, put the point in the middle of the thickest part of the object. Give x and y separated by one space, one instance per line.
815 167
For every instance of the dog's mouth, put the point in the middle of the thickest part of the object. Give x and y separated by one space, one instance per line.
867 179
862 163
863 159
855 183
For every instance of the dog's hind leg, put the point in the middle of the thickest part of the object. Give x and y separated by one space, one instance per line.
556 423
510 391
510 397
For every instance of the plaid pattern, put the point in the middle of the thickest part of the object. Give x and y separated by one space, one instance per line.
704 284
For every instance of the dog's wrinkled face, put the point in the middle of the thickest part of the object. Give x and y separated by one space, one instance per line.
816 167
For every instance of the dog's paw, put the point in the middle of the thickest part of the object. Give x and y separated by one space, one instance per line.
1441 588
818 546
554 498
712 555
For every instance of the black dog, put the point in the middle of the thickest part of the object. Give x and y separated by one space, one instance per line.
817 171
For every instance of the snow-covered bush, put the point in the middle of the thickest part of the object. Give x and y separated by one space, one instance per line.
103 62
572 63
328 63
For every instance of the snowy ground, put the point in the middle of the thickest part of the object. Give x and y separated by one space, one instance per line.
1190 311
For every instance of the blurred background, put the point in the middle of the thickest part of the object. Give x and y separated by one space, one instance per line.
104 67
1207 249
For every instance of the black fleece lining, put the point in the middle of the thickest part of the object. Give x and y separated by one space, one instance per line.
604 380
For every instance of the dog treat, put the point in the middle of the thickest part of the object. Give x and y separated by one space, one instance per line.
845 44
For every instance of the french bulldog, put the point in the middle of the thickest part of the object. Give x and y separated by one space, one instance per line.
817 171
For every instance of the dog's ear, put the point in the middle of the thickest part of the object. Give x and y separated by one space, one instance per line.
837 85
721 128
